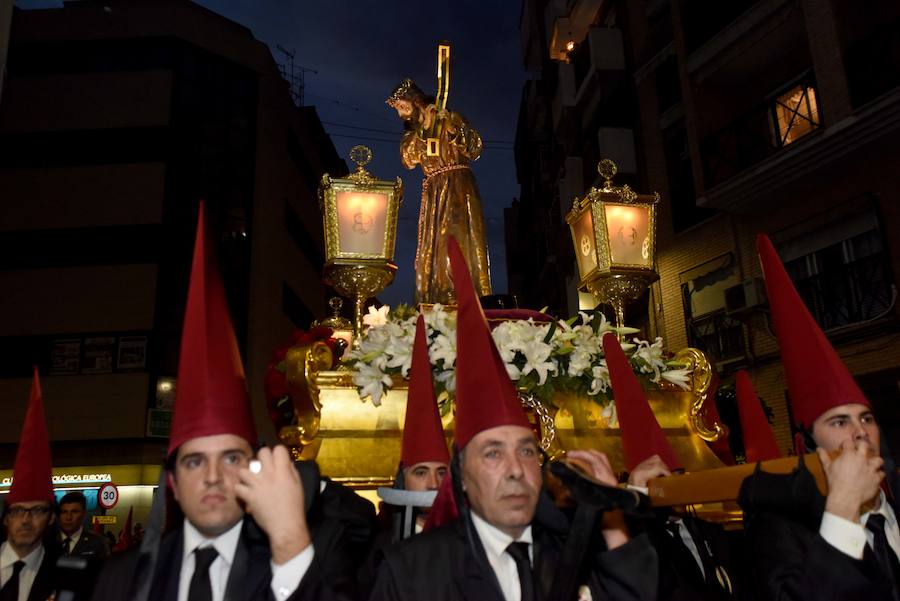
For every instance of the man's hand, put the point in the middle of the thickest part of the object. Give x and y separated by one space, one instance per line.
853 478
646 470
274 497
597 466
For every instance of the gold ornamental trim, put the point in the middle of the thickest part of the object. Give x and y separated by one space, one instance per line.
701 382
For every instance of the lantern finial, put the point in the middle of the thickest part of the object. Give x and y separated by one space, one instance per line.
607 169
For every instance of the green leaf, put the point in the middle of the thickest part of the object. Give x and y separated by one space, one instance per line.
550 331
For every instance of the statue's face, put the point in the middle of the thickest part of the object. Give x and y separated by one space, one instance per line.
405 109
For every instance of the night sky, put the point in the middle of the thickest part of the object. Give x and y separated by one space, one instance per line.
361 49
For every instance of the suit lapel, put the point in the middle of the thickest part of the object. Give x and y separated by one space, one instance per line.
168 567
478 582
250 565
43 585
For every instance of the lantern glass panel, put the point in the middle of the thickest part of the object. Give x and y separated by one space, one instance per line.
585 245
362 219
629 235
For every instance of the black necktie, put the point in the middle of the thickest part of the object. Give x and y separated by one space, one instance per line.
886 557
201 589
684 560
519 552
10 590
67 546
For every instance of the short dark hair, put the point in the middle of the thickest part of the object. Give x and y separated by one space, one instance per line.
75 496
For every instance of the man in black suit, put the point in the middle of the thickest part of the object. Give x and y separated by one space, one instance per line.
696 560
27 565
245 533
802 545
74 539
508 542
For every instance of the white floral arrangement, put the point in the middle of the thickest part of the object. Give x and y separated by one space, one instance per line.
541 357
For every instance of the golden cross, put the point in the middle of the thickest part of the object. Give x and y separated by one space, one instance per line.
433 147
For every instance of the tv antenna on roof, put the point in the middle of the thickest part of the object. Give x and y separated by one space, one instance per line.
294 74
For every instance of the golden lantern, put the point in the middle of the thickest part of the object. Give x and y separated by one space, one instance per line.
614 233
360 219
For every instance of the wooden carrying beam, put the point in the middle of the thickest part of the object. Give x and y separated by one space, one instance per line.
722 484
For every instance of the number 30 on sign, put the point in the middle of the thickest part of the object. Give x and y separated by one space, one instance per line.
108 496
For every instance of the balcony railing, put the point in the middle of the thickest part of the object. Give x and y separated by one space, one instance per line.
850 293
718 335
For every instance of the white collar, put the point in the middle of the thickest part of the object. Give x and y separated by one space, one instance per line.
75 536
225 544
494 540
884 508
8 556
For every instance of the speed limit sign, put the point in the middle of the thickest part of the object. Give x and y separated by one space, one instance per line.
108 496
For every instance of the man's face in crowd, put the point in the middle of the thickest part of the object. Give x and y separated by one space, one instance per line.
846 422
206 472
424 476
25 525
501 474
71 517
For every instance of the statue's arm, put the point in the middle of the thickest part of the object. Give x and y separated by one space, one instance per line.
409 150
465 137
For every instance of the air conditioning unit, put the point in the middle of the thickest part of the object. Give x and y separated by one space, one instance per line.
749 294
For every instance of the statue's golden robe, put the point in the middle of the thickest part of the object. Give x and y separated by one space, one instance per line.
451 205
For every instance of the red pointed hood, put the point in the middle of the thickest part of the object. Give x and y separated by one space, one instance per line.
444 508
759 440
33 472
817 379
125 537
641 435
485 396
211 394
423 435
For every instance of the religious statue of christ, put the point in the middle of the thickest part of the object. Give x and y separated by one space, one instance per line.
443 144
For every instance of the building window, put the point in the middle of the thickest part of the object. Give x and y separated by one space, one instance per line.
785 117
709 327
794 114
842 272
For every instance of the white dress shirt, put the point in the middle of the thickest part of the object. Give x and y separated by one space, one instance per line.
26 577
689 542
285 577
685 534
495 542
851 538
75 536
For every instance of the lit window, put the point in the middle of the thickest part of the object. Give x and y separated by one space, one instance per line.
795 114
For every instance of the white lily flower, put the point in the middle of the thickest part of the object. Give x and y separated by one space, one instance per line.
679 377
579 362
610 416
376 317
600 381
371 381
443 348
448 377
536 360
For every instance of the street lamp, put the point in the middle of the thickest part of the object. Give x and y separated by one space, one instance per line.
359 213
614 233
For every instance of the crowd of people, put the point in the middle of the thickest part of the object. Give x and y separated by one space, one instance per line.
485 520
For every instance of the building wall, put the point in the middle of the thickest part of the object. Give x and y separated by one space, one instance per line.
704 76
115 121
